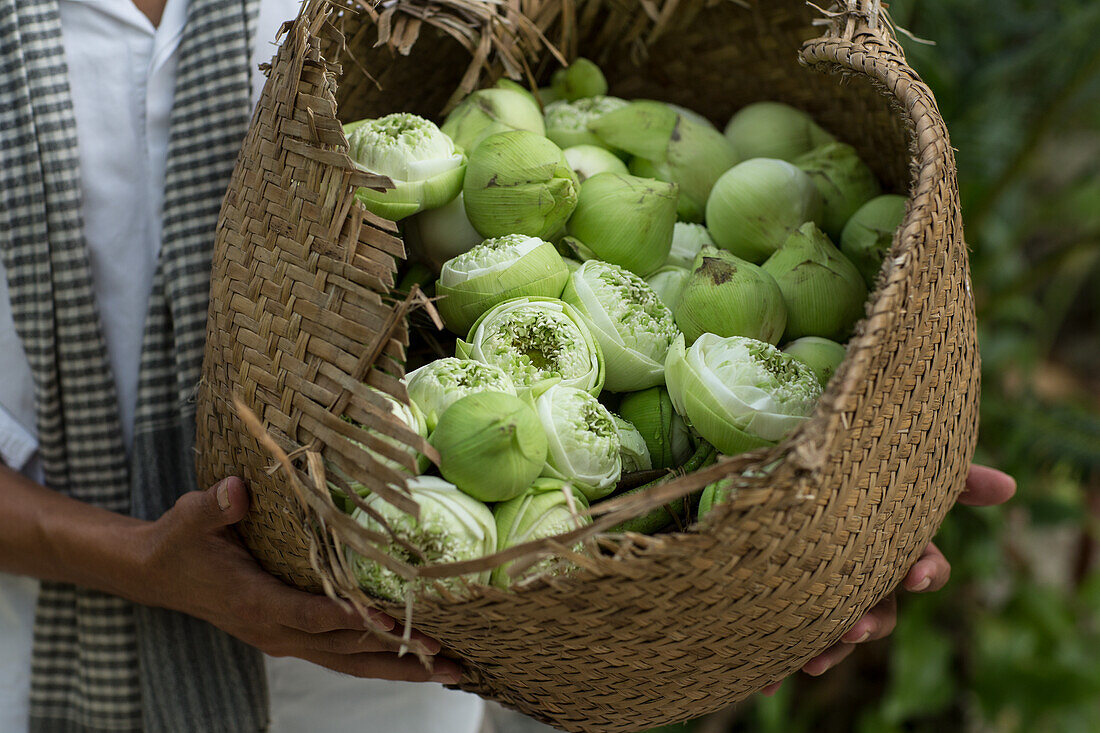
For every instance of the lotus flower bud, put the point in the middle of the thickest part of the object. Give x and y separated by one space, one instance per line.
692 115
567 122
537 342
437 235
669 283
494 271
580 79
583 438
669 147
728 296
739 393
489 111
491 445
589 160
824 292
632 326
512 86
439 384
452 527
869 233
663 430
821 355
519 183
756 205
774 130
548 508
634 452
714 494
843 180
687 240
626 220
425 167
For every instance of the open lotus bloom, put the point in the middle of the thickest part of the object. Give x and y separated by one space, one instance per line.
633 327
452 527
584 440
426 168
739 393
494 271
437 385
538 342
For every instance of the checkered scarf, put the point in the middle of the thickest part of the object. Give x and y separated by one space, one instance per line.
101 663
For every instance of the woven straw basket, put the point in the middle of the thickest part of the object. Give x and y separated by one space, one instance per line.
648 630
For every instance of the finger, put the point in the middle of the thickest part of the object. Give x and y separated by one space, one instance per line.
828 659
929 573
875 624
347 642
771 689
221 505
316 614
987 486
388 667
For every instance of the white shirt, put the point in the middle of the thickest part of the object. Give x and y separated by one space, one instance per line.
122 75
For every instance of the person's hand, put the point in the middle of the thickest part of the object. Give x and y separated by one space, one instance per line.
984 487
196 564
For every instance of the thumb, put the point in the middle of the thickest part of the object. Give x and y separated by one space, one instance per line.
223 504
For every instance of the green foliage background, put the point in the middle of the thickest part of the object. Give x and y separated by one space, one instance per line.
1013 642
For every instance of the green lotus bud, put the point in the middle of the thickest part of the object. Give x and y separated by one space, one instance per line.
537 342
548 96
589 160
491 445
843 180
821 355
584 440
544 510
411 417
625 220
662 429
423 163
757 204
438 384
633 451
452 527
687 240
692 115
739 393
869 233
436 235
512 86
633 327
728 296
490 111
580 79
669 283
519 183
774 130
824 292
669 147
494 271
567 122
714 494
571 264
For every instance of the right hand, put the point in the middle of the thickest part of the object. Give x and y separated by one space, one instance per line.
197 564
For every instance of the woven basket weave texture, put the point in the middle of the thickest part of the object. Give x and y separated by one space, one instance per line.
653 629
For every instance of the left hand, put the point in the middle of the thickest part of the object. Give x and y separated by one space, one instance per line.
984 487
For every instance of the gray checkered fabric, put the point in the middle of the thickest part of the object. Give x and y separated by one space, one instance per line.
100 663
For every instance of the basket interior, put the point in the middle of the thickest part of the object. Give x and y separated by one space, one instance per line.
712 59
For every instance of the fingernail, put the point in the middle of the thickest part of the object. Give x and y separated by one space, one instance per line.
863 637
816 670
431 646
222 494
922 585
381 621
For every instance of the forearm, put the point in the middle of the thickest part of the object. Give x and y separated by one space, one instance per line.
50 536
